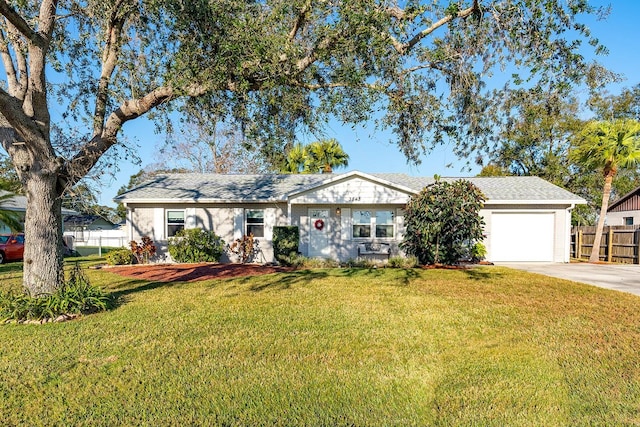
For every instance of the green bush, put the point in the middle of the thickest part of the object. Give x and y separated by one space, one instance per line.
120 257
285 244
75 296
478 252
443 222
196 245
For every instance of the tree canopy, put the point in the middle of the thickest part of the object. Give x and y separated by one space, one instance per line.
78 70
538 133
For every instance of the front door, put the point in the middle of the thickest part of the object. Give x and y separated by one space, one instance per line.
319 233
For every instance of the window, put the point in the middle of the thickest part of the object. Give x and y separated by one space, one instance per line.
175 222
361 224
380 221
384 224
628 220
255 222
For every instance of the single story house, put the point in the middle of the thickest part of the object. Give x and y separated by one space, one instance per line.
625 210
340 215
18 204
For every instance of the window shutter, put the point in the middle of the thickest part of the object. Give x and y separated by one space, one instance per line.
159 224
345 224
269 223
238 223
190 218
400 223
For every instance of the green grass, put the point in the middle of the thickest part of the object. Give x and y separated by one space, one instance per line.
488 346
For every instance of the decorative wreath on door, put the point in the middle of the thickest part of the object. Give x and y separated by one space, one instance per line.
319 224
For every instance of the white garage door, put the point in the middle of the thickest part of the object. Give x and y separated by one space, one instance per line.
522 236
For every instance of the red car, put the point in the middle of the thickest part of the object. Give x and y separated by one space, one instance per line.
11 247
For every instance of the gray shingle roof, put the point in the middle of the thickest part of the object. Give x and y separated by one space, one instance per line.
510 188
218 187
19 203
269 188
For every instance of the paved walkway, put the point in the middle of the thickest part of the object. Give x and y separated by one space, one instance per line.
619 277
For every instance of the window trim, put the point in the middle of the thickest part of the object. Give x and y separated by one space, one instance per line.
373 224
392 224
255 224
364 224
167 224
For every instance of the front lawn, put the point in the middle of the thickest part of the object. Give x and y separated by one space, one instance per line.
487 346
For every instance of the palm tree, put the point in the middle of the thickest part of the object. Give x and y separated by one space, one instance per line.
297 160
327 154
609 145
9 218
323 155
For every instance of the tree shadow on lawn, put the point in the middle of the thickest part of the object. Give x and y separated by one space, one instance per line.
286 280
482 274
121 296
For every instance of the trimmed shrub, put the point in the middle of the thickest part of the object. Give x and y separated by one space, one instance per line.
196 245
120 257
285 244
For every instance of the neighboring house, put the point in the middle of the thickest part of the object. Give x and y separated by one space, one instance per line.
625 210
93 230
81 222
19 204
527 218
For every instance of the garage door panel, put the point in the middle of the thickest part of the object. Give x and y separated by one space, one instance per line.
523 236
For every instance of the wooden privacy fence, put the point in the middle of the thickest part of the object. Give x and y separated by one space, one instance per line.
618 244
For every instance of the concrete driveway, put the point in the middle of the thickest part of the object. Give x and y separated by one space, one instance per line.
619 277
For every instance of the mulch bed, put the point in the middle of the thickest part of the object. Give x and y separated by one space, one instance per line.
206 271
194 272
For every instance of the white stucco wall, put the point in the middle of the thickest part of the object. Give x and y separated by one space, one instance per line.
226 220
343 245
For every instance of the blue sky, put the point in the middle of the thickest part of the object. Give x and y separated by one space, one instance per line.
370 152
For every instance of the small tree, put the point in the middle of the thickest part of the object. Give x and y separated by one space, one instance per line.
443 222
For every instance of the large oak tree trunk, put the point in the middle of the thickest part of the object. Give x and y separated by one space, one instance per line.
43 257
606 194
